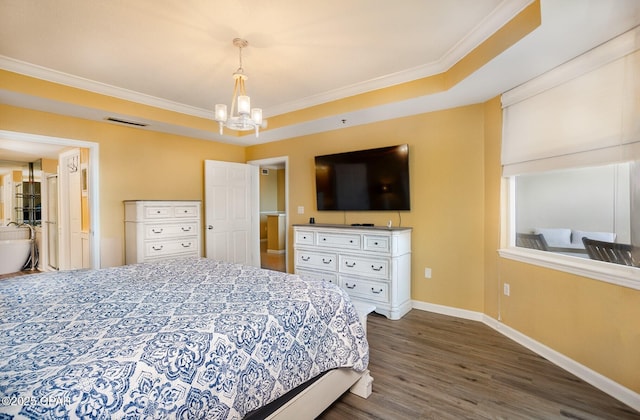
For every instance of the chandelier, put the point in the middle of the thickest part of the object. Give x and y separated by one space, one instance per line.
242 117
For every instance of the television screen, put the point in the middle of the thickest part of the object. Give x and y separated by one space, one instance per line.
373 179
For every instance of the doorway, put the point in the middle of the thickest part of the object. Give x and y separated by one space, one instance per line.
273 202
35 141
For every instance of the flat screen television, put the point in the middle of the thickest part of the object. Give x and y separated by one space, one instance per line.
373 179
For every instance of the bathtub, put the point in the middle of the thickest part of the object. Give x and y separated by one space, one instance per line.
15 247
13 254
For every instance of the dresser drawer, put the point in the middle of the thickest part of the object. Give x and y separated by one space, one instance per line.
370 267
304 237
170 230
324 261
186 210
318 275
369 290
377 243
346 241
167 248
158 212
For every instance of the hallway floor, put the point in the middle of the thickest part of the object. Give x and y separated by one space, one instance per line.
271 261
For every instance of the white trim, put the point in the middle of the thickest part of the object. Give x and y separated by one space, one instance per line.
94 196
583 372
620 275
50 75
448 310
275 161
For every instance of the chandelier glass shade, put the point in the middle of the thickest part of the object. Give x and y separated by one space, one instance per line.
242 117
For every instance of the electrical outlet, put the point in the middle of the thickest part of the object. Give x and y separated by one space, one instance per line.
506 289
427 273
300 209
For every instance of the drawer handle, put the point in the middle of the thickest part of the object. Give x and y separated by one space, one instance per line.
349 265
304 237
353 286
303 258
376 269
327 261
157 248
377 292
375 243
324 239
350 241
157 230
186 229
186 211
188 245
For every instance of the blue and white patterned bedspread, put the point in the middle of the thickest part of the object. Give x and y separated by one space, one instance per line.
191 338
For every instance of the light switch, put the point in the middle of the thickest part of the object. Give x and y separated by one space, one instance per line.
300 209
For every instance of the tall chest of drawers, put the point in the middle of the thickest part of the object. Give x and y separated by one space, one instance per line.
372 264
156 230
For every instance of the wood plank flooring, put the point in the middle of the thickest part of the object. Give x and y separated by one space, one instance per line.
431 366
19 273
270 261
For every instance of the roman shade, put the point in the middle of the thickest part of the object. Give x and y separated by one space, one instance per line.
585 112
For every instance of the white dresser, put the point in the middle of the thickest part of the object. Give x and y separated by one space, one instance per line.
372 263
157 230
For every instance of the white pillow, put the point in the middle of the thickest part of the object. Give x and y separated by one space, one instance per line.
576 236
557 237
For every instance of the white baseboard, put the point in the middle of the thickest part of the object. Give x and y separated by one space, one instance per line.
617 391
448 310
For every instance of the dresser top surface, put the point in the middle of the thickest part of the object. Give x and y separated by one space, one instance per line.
351 227
161 201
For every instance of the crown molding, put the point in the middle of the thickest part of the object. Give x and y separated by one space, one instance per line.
506 11
492 23
50 75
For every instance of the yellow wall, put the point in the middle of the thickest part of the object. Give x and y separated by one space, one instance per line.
134 164
455 189
281 189
445 150
492 188
269 191
590 321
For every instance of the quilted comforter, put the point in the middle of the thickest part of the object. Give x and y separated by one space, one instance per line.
191 338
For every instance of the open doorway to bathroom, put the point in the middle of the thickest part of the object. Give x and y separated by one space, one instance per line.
66 169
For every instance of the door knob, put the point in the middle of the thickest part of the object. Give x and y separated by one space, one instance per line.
210 227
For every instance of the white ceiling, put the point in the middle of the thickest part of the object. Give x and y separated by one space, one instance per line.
179 54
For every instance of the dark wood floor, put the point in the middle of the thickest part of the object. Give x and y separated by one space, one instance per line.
431 366
271 261
19 273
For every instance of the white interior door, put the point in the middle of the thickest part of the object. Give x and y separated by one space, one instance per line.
52 221
70 216
230 226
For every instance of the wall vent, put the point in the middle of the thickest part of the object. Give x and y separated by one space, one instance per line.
121 121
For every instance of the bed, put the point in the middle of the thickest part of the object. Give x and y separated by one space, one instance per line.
187 338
